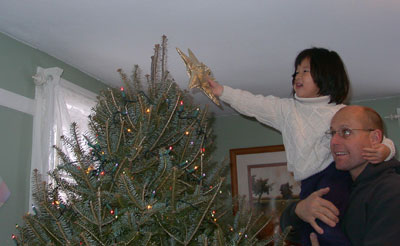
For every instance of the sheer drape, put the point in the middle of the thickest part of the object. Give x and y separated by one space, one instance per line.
58 103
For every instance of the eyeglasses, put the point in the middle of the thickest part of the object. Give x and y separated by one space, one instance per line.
344 132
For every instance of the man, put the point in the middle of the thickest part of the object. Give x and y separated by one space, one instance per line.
373 213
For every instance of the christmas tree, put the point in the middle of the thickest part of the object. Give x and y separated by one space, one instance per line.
142 176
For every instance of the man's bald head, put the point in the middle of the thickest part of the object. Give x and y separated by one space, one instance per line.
368 117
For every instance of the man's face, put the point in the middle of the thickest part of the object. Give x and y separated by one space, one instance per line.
346 150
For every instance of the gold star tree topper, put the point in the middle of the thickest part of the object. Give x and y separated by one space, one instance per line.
199 74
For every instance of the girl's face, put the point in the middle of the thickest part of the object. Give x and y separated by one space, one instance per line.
304 85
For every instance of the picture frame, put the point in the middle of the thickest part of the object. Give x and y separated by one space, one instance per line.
260 175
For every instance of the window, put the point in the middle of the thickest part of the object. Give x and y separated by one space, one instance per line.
58 103
78 104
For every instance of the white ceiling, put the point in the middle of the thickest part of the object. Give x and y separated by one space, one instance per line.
248 44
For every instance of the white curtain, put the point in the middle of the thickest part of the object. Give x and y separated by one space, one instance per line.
58 103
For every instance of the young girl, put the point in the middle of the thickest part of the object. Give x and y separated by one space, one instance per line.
320 85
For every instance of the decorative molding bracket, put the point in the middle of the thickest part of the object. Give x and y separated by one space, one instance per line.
43 75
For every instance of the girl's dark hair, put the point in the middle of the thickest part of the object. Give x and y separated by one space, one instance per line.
327 71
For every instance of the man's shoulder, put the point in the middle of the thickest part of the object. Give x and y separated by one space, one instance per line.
388 182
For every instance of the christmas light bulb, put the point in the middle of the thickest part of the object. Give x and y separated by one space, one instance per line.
34 209
195 113
184 163
14 239
149 206
148 110
90 168
181 107
128 130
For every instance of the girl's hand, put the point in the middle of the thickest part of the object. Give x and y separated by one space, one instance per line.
376 154
216 88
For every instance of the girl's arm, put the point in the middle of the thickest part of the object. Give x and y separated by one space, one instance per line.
381 152
266 109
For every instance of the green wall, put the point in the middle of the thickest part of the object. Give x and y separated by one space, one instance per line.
18 64
15 152
241 132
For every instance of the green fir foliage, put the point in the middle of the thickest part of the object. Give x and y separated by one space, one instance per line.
143 176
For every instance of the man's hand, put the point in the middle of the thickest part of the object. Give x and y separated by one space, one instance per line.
314 239
216 88
314 207
378 153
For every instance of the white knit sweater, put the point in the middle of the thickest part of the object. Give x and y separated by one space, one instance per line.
302 122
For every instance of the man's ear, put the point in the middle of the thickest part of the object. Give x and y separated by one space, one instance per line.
376 136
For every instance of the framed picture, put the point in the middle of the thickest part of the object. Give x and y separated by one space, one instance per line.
260 175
